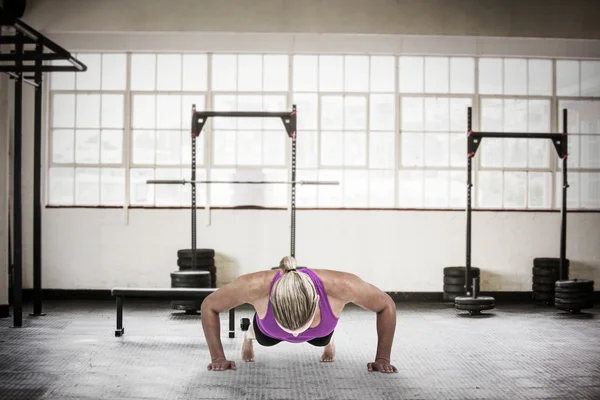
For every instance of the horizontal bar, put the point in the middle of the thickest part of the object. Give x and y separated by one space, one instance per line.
184 181
257 114
27 81
31 56
43 68
517 135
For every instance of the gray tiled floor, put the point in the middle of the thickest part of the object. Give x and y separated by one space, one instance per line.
518 352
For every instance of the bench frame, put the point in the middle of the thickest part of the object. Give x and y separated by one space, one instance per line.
171 293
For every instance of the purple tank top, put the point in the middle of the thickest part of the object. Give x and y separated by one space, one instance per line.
328 322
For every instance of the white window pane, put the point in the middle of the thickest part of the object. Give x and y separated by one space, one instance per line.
332 112
573 108
90 79
515 189
331 73
224 72
222 194
382 112
590 151
382 74
88 111
489 189
539 153
87 146
412 114
411 75
167 195
168 148
355 112
590 80
114 71
187 102
437 116
437 149
168 111
224 103
462 75
459 114
355 148
61 186
87 186
307 106
331 195
574 159
275 195
590 190
332 149
63 146
382 150
273 151
515 153
490 76
356 188
381 189
515 115
111 146
437 75
540 77
539 116
458 150
492 115
186 190
143 147
412 149
143 72
112 111
458 189
112 186
306 196
491 152
307 148
515 76
225 146
436 188
540 189
274 103
567 78
275 74
248 102
168 71
140 193
306 73
144 111
250 72
186 148
410 188
356 74
62 80
195 72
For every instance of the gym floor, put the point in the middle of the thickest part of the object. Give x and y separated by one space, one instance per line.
512 352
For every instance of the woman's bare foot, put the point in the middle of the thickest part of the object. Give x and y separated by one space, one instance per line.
329 352
247 350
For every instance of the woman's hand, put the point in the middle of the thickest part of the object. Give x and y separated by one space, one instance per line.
221 364
381 365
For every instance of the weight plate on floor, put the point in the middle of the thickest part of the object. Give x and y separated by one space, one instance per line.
573 295
541 288
549 262
201 263
474 305
200 253
460 271
577 300
580 284
191 279
543 280
543 296
454 289
545 272
454 280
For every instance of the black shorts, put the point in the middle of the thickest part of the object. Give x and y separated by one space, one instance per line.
265 340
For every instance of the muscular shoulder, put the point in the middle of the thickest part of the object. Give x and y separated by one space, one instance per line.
338 284
256 284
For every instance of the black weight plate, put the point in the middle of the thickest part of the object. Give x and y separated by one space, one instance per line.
572 290
579 306
187 305
189 273
212 270
460 271
200 262
573 295
578 300
543 280
454 289
549 262
545 272
477 301
541 288
200 253
543 296
581 284
474 307
454 280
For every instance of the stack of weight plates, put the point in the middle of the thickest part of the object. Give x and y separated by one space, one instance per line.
205 261
189 279
574 295
454 281
545 274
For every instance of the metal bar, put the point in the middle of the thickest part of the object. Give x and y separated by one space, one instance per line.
18 247
293 188
470 156
120 330
563 228
184 181
193 205
517 135
44 68
14 40
232 323
27 81
246 114
30 56
37 206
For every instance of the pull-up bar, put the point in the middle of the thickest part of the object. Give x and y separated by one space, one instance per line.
288 118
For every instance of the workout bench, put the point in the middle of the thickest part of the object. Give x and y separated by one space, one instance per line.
171 293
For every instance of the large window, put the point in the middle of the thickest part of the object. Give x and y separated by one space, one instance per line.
391 129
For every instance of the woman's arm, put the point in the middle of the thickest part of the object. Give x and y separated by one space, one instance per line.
245 289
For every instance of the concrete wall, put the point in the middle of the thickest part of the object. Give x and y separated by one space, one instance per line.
510 18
